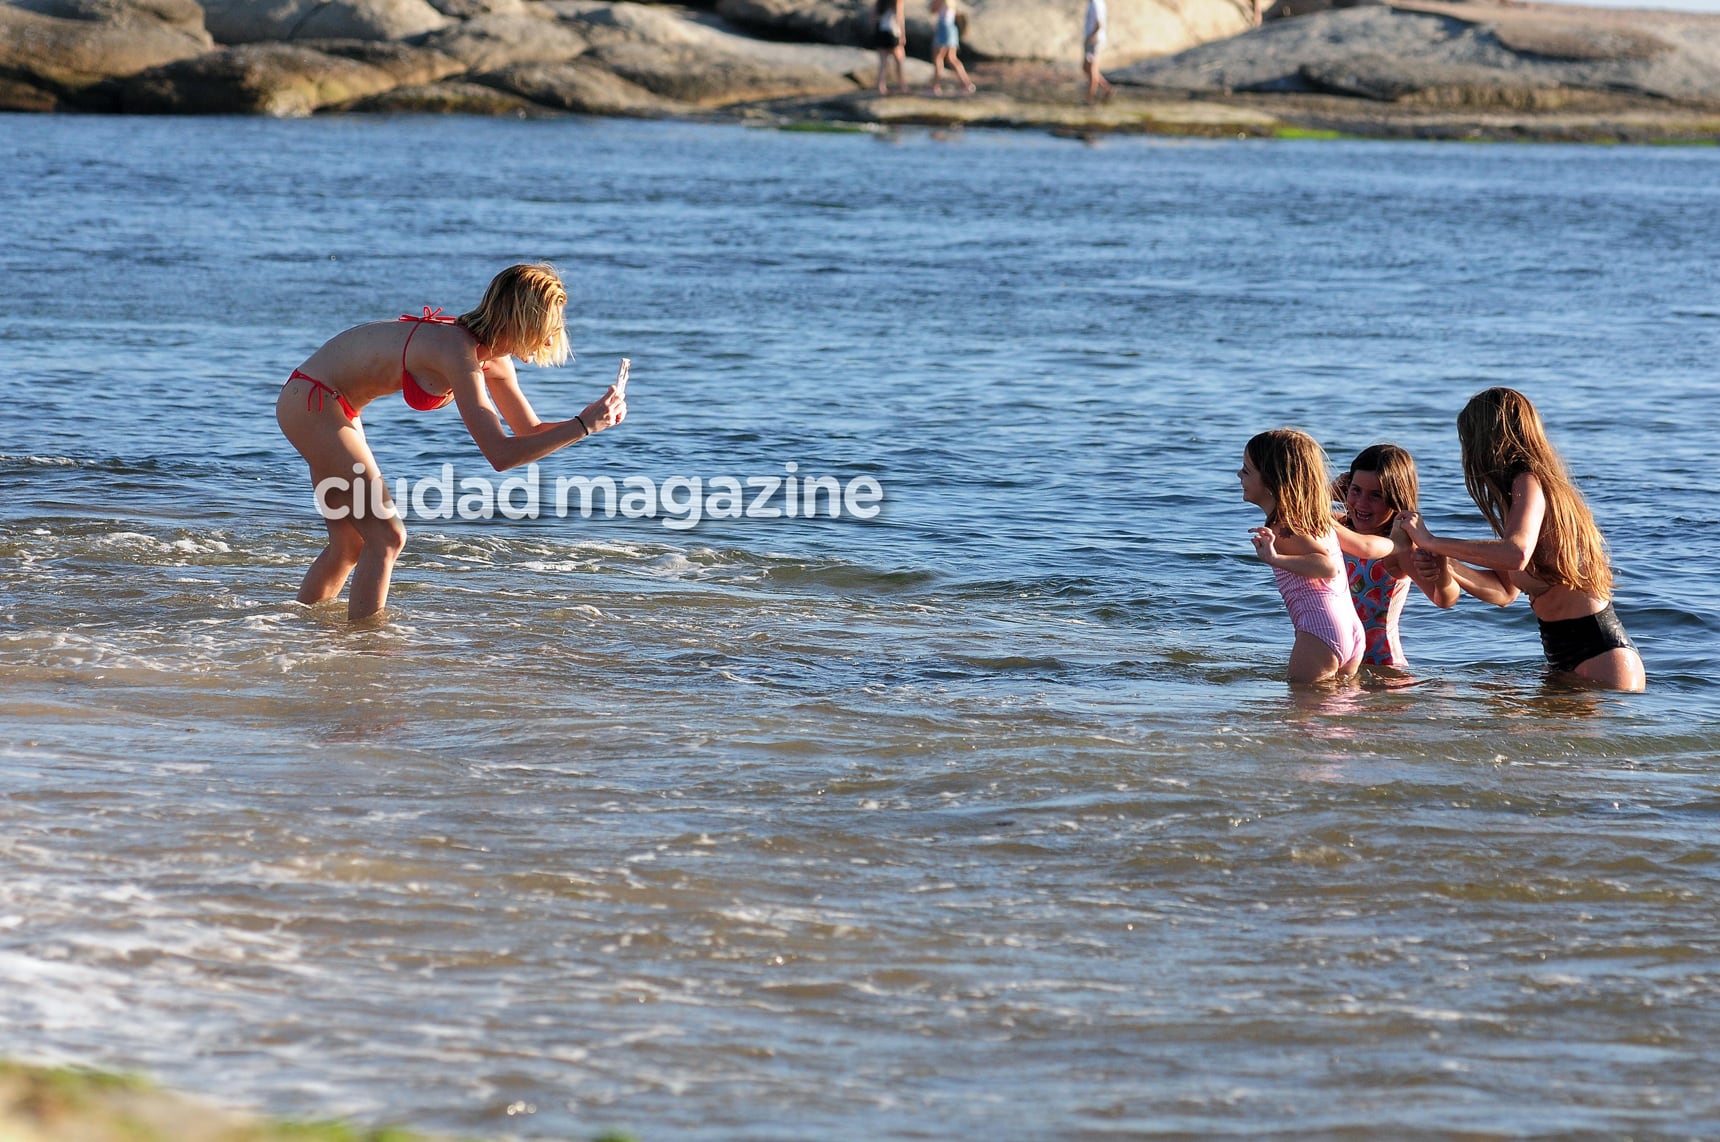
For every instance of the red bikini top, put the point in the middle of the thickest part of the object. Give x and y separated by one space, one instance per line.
410 389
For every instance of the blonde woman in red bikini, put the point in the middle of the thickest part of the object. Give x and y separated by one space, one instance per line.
431 361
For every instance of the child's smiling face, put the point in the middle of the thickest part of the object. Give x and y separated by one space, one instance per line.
1366 504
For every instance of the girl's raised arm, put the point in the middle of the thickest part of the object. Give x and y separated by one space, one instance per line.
1296 554
1362 546
1431 573
1487 585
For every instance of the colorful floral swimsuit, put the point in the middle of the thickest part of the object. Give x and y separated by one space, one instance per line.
1379 596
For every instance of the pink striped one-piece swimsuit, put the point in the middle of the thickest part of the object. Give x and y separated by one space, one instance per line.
1323 607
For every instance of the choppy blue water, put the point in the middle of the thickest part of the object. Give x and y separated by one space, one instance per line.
990 817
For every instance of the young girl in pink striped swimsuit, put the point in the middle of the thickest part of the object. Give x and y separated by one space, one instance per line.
1284 474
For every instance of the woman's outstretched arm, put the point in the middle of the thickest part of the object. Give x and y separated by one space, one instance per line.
1511 551
505 451
1487 585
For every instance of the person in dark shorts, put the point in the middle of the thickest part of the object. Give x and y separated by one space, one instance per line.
889 40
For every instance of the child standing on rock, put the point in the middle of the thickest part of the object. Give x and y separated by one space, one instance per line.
889 39
946 44
1092 44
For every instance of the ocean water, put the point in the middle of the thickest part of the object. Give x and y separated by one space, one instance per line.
989 817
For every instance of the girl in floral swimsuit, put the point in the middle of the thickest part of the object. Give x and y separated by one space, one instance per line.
431 360
1381 484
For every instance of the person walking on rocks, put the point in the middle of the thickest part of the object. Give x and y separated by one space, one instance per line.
946 44
890 39
1093 42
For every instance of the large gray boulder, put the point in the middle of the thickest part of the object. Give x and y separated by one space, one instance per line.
817 21
456 98
17 96
467 9
503 39
1046 30
406 64
583 87
186 15
713 79
67 48
624 22
1460 53
1393 79
1272 57
1051 30
260 79
703 62
1568 40
272 21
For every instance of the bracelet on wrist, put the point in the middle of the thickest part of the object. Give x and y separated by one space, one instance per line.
582 424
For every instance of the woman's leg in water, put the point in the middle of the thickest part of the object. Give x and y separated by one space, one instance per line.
365 537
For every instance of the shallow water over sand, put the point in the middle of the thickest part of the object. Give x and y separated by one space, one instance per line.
988 818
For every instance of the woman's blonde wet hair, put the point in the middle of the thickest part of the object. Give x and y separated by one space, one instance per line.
1502 438
1292 468
521 314
1399 487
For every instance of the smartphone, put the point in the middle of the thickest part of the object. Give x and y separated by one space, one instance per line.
621 377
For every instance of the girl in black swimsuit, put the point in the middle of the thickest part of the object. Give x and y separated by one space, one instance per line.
1546 544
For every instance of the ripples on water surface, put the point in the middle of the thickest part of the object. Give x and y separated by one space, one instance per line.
988 819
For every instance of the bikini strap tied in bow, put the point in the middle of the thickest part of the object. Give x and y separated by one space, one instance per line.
434 315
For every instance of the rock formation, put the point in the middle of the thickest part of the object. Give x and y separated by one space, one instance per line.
810 59
233 55
1475 54
54 50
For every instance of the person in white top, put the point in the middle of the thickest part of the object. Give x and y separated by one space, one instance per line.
1093 42
946 46
889 40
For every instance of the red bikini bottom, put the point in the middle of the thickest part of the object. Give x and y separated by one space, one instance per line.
317 391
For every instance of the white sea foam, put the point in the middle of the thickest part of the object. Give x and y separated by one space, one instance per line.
201 547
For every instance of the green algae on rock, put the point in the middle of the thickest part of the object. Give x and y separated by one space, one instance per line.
76 1104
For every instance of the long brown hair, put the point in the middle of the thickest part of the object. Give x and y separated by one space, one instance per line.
1292 468
1502 438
